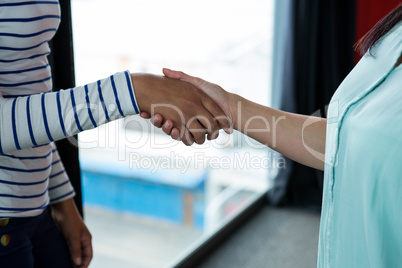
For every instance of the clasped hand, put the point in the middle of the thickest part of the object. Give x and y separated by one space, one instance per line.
191 113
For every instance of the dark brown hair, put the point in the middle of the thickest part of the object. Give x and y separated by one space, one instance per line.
367 42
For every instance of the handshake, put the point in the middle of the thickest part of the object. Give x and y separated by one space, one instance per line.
188 108
185 107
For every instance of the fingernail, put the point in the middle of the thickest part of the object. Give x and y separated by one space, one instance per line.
77 261
229 130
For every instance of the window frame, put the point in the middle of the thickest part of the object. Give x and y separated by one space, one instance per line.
207 244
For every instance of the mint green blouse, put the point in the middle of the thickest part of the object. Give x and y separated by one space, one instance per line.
361 220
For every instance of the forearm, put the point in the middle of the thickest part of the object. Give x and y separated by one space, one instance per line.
299 137
63 209
41 118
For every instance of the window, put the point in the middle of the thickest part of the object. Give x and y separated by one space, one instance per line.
149 199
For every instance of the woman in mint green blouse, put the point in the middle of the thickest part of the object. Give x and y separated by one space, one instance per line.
359 147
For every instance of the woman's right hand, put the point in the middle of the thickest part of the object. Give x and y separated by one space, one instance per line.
190 110
215 92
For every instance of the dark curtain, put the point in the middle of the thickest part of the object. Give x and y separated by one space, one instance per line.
62 62
322 39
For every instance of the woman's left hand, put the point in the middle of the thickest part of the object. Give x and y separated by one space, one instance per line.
72 227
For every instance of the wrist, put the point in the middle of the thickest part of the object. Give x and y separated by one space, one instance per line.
138 83
147 89
62 209
142 85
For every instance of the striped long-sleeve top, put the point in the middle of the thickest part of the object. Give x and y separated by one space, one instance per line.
32 116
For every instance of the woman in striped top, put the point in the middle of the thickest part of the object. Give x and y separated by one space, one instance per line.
32 175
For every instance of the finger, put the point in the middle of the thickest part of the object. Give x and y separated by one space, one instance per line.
210 125
197 130
182 76
157 120
87 252
172 74
214 135
186 136
145 115
74 245
224 121
175 134
167 127
187 140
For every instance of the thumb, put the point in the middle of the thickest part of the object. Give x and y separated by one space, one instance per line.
75 251
183 77
145 115
172 74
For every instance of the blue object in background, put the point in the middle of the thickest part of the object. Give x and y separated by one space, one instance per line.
163 194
